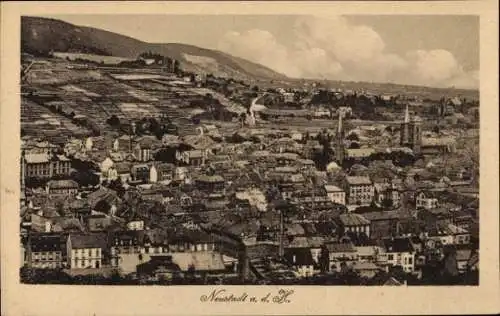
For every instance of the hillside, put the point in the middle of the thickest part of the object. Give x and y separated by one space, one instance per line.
41 35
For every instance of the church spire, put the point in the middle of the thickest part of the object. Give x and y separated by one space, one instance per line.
340 123
339 150
407 115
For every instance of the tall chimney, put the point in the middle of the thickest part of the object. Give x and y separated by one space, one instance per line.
281 247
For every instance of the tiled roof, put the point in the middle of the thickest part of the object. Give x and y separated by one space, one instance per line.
37 158
351 219
358 180
62 184
398 245
434 141
294 229
333 188
194 153
80 241
306 242
360 152
340 247
207 178
387 215
45 242
123 167
62 158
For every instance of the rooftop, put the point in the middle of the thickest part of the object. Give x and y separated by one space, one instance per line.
62 184
82 241
352 219
333 188
358 180
37 158
212 179
398 245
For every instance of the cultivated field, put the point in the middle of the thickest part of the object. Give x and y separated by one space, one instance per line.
108 60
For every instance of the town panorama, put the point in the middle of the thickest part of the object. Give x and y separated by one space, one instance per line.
149 170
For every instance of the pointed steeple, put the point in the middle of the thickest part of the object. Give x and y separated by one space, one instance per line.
340 123
340 142
407 115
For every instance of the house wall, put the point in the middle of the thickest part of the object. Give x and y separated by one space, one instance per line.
136 225
382 228
47 169
462 266
118 251
86 258
427 203
361 194
445 239
127 263
62 191
315 252
305 271
403 259
462 238
47 259
358 229
337 197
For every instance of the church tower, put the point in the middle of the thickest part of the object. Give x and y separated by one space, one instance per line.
339 142
405 130
411 132
416 135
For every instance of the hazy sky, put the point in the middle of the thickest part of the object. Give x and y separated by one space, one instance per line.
437 50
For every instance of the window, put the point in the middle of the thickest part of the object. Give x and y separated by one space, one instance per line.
390 257
410 260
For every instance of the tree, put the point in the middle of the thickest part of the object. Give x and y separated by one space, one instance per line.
102 206
242 118
354 145
436 129
156 128
60 209
117 186
85 177
177 67
113 120
387 203
324 259
353 137
35 182
166 155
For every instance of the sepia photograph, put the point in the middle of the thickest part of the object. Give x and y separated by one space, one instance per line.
166 150
265 150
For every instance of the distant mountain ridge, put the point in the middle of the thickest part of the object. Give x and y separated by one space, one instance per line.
40 35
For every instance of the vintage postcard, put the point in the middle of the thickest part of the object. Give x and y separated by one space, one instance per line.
249 158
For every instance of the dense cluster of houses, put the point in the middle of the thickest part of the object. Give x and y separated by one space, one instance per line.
253 209
255 200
